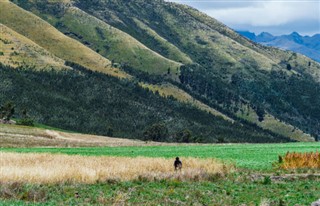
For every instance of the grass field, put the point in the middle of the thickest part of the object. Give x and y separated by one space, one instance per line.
216 193
57 168
251 156
129 172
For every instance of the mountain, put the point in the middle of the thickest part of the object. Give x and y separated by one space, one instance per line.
306 45
156 70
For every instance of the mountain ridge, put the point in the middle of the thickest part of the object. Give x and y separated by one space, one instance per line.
306 45
188 56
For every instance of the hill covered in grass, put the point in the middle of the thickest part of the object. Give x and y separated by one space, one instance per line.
17 50
46 36
182 56
90 102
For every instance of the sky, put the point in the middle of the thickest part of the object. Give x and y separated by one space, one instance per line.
274 16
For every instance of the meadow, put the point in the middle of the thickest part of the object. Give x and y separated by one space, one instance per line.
130 172
56 168
258 157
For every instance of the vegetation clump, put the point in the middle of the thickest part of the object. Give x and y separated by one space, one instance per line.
295 160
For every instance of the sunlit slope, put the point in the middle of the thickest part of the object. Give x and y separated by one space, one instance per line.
168 49
112 43
17 50
275 125
43 34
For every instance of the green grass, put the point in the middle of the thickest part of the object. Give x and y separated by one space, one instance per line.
250 156
234 189
218 192
112 43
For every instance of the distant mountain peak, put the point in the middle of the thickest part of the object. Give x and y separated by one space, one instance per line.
295 34
306 45
265 34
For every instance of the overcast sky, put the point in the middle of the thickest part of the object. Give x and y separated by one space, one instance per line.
273 16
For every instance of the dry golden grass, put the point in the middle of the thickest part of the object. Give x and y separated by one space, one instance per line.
21 51
300 160
13 136
56 168
46 36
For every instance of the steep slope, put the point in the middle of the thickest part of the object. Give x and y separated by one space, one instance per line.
107 40
52 40
113 43
205 40
226 71
238 70
89 102
168 90
18 51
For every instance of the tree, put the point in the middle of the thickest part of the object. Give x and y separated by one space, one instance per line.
25 119
289 67
7 111
260 112
110 131
156 132
184 136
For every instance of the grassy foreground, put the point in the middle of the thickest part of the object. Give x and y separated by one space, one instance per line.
254 183
257 157
224 192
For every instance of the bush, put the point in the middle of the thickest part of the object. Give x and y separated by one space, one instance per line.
157 132
26 122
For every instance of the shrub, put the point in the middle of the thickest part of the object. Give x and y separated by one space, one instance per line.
26 122
295 160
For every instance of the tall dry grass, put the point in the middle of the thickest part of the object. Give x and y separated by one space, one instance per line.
293 160
57 168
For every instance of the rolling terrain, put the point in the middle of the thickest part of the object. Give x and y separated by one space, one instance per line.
116 90
18 50
91 102
177 52
46 36
12 136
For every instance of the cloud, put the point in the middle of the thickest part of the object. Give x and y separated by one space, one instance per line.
267 13
283 15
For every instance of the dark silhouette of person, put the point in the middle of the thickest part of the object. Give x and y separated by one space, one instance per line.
177 164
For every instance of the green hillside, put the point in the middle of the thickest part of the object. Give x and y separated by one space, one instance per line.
89 102
46 36
229 71
106 40
181 54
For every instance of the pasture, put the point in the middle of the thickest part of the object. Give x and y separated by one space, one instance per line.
45 167
258 157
